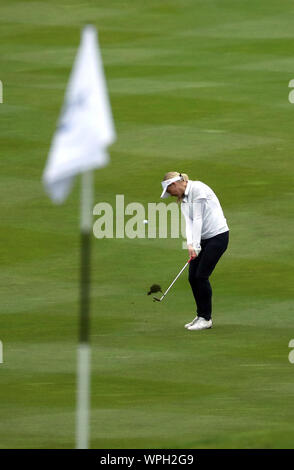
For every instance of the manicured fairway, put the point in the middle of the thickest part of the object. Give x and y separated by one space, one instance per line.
196 86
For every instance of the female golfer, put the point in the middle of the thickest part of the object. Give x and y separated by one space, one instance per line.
207 238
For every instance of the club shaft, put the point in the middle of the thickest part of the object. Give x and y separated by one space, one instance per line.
174 280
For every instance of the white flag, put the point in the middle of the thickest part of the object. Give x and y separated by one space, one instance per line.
85 127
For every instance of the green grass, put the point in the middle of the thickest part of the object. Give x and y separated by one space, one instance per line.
199 87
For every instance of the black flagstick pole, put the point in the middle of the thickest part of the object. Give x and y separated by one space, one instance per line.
83 371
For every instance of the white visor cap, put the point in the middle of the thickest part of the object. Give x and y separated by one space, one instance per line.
166 183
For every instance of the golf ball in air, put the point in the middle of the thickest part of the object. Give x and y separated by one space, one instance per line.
145 221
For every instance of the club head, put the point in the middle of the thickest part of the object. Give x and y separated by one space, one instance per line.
155 299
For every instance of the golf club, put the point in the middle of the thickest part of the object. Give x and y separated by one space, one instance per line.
155 299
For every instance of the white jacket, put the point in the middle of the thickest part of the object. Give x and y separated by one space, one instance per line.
203 214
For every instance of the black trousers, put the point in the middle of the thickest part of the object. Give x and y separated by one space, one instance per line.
200 269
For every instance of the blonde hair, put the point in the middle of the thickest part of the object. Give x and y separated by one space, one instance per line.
173 174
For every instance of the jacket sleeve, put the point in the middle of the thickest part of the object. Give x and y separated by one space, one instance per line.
188 223
197 225
193 227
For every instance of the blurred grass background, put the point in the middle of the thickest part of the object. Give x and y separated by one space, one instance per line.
198 87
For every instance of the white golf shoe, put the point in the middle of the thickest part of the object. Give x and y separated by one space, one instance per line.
200 324
191 323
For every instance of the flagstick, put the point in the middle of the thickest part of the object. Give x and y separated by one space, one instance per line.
83 372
